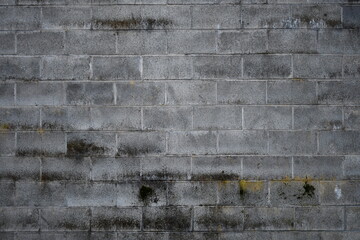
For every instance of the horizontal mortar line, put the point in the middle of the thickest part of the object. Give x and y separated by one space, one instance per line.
175 4
173 29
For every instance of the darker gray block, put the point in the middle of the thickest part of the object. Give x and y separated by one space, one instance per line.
65 67
351 66
267 66
29 20
171 118
291 92
317 66
115 118
15 168
319 218
266 16
339 142
7 189
66 17
19 118
351 16
292 41
7 94
23 68
242 41
164 67
224 67
59 169
90 93
39 93
191 42
342 92
297 143
194 142
241 92
123 68
19 219
140 93
217 117
269 218
215 17
266 167
318 117
7 144
267 117
110 169
40 43
7 43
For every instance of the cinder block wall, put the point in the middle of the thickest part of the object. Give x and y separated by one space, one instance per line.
179 119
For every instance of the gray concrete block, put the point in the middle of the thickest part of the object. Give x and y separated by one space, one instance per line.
194 142
298 235
218 117
338 41
165 168
116 17
243 193
40 43
91 144
7 235
19 118
319 218
65 67
224 67
171 118
40 194
339 92
339 142
351 18
90 194
267 117
39 93
291 92
116 118
65 219
111 169
192 193
23 68
165 67
141 42
318 117
269 168
40 143
352 118
318 167
59 169
340 192
241 92
7 189
218 219
140 93
292 41
193 235
123 68
7 94
351 66
352 218
129 195
149 193
267 66
140 143
7 144
190 92
167 218
269 218
42 2
14 168
242 41
215 17
244 235
297 143
142 235
19 219
351 167
243 142
302 192
66 17
93 93
191 42
216 168
317 15
65 118
29 20
90 42
115 219
7 42
266 16
317 66
8 2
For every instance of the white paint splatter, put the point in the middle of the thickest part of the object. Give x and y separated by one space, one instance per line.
337 191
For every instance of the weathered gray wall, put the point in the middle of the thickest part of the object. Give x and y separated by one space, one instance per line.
180 119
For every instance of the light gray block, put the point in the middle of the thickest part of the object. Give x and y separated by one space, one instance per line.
66 17
170 118
7 189
243 142
115 118
338 41
266 16
7 43
352 216
215 17
141 42
40 43
40 93
191 42
291 92
287 143
314 117
215 218
340 192
190 93
242 41
241 92
267 117
339 92
351 67
339 142
266 168
224 67
111 169
351 167
19 118
93 93
40 144
122 68
65 67
292 41
218 117
319 218
29 20
164 67
140 93
317 66
194 142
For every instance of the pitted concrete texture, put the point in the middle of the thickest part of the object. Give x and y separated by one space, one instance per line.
179 119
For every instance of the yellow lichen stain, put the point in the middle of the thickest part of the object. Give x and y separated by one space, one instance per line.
223 183
288 179
4 127
132 82
40 131
219 228
298 79
251 186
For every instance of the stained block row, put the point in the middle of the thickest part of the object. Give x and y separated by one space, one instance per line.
82 42
179 168
179 67
180 17
180 118
286 192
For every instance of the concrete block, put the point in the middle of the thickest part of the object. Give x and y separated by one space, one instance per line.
352 216
218 117
241 92
318 118
194 142
267 117
317 66
351 167
215 17
19 118
7 189
165 67
339 142
339 92
19 219
60 169
288 143
340 192
266 168
140 93
66 17
292 41
14 168
7 41
89 93
141 42
116 118
7 144
291 92
351 66
7 94
65 67
266 16
242 41
29 20
319 218
185 41
351 17
224 67
111 169
122 68
170 118
40 43
269 218
39 93
267 66
189 93
23 68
